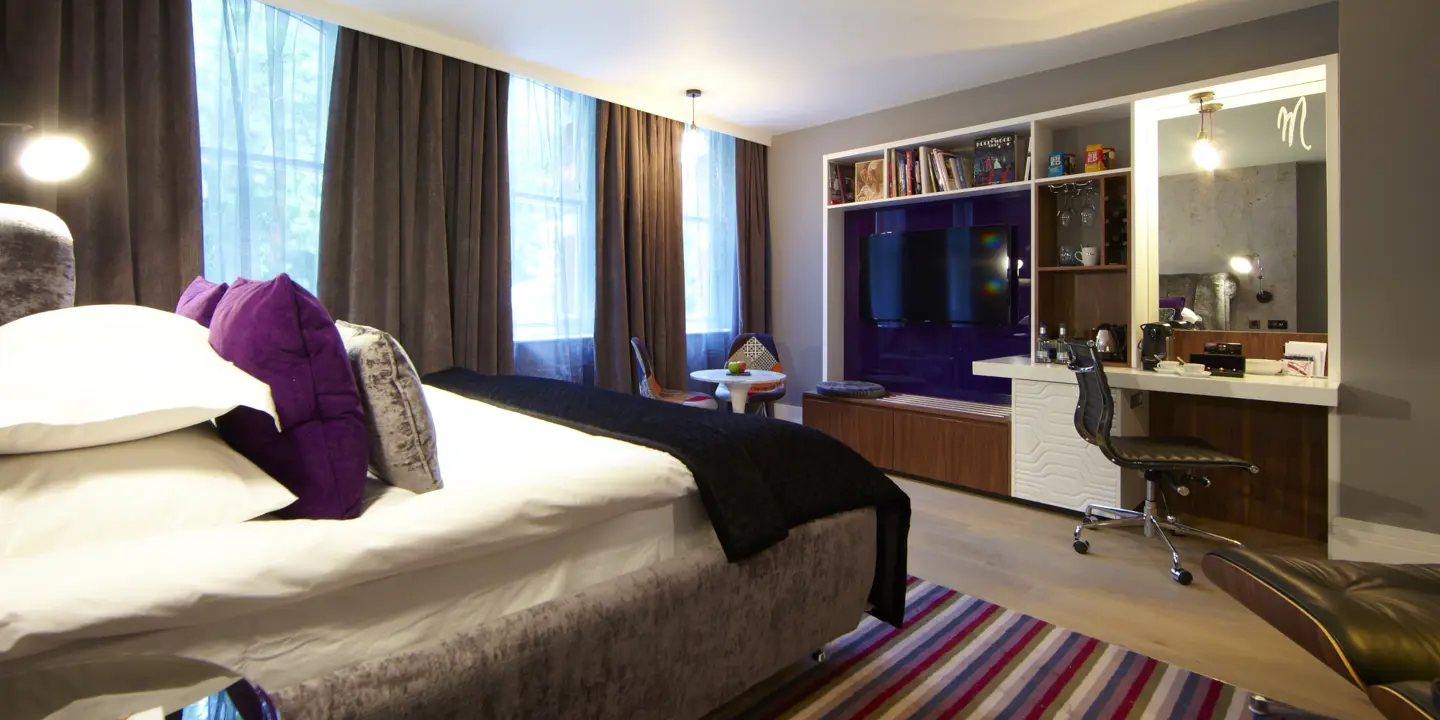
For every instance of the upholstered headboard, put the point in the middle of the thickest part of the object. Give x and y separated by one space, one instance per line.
1207 294
37 262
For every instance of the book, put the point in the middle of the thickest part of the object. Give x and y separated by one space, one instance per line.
1028 162
847 183
995 160
837 190
869 180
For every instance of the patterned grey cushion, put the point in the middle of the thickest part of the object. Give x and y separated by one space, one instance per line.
402 433
37 262
850 389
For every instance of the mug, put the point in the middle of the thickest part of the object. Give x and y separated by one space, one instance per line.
735 367
1090 256
1168 365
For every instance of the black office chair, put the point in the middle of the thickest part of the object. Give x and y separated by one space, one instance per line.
1168 463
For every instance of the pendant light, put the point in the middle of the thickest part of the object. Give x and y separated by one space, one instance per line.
690 146
1205 153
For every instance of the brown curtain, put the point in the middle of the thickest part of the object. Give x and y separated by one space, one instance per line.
415 220
752 214
639 246
120 76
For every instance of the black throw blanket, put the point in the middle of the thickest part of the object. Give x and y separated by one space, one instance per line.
757 477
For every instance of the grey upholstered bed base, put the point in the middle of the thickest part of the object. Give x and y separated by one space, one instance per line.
675 640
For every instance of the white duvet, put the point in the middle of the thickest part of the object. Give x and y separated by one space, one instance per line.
509 480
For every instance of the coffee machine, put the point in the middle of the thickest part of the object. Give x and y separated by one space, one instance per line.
1154 344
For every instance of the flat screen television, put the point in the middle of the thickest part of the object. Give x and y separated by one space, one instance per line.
956 276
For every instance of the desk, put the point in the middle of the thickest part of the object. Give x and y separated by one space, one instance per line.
1269 388
1278 422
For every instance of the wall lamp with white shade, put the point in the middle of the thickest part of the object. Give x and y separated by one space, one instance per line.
50 158
1250 262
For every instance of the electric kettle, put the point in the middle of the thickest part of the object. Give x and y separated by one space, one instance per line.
1110 342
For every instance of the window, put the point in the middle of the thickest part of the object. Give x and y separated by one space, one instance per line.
263 83
552 230
712 297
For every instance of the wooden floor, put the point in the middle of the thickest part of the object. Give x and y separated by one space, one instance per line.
1020 558
1121 592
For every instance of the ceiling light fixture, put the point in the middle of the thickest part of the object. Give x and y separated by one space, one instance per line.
1205 153
690 146
51 158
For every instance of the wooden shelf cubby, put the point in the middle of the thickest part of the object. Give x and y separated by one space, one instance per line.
1083 296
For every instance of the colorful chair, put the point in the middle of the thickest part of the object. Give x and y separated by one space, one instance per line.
650 387
759 353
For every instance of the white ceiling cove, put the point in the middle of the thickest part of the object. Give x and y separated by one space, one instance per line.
771 66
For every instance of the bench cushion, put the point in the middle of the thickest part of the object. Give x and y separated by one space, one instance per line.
850 389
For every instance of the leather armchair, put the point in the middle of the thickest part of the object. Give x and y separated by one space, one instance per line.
1377 625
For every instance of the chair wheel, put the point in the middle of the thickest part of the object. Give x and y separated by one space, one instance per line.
1081 546
1181 576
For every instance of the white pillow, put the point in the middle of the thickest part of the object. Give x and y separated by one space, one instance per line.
102 374
177 481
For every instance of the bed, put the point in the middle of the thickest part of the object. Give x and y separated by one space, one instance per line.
611 559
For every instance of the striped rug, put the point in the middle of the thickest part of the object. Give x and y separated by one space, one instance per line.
961 657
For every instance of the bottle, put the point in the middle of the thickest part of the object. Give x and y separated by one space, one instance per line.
1062 351
1042 346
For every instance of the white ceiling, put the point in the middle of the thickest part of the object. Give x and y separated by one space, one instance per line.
769 66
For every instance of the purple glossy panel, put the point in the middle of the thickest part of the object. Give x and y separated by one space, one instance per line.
928 359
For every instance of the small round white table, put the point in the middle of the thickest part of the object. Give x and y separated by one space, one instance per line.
738 385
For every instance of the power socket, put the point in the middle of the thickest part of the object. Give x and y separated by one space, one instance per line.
1254 324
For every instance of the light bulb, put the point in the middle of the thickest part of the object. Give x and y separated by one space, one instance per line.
1205 154
1241 264
690 143
53 158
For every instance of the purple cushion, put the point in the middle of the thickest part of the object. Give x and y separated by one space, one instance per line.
198 302
281 334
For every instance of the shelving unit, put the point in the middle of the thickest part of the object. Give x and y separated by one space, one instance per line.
1020 186
1085 268
1082 176
1081 296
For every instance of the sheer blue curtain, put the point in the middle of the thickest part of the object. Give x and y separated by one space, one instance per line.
263 84
552 230
712 287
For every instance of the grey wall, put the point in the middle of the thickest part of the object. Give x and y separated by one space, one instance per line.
1208 218
1390 400
797 188
1312 250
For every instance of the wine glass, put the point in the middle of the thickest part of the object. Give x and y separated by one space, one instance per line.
1065 213
1087 213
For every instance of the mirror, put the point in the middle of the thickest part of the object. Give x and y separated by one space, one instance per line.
1243 246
